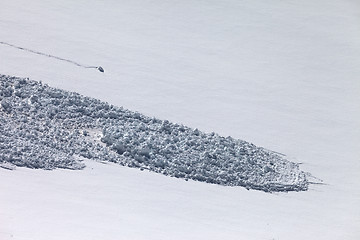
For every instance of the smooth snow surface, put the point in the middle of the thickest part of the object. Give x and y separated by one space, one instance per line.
280 74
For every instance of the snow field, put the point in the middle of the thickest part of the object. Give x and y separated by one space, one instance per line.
280 74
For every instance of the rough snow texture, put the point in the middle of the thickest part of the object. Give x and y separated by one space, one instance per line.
44 127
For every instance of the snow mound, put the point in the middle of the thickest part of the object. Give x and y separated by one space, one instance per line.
48 128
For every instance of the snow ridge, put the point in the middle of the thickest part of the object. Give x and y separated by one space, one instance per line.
48 128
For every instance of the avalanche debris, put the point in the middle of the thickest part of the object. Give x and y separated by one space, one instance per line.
48 128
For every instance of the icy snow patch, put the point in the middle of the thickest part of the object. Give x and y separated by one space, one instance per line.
48 128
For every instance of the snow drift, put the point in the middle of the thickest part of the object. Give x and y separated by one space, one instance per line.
48 128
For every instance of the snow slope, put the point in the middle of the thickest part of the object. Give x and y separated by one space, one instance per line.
280 74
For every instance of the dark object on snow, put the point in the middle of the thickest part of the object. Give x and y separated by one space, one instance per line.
100 69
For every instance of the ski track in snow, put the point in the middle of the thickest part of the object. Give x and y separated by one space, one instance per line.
44 127
51 56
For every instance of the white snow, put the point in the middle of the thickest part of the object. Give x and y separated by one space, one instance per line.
280 74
